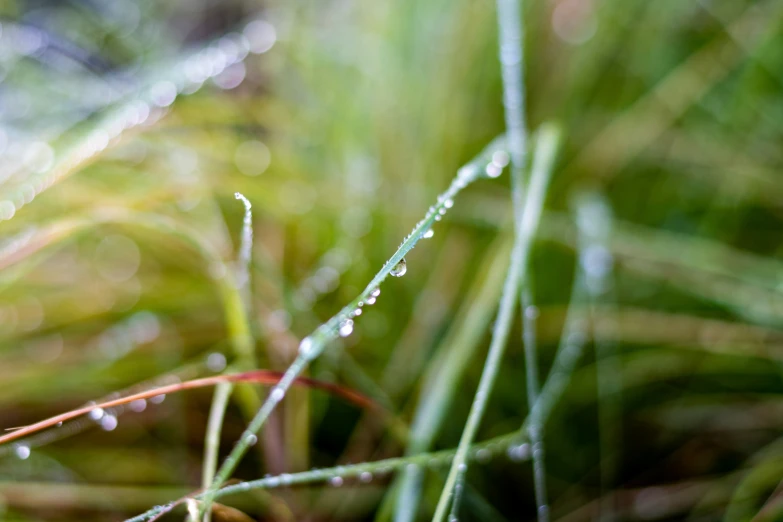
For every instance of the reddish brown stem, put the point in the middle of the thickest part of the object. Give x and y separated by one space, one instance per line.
256 376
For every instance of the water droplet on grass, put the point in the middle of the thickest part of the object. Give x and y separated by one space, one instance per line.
428 234
22 451
336 481
399 269
346 328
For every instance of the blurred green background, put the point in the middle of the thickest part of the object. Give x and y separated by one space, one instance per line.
127 126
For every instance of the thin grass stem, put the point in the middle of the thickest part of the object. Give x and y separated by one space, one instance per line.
546 147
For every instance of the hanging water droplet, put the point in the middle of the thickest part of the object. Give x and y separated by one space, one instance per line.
448 203
438 217
365 477
346 328
158 399
370 301
251 439
22 451
59 424
376 292
428 234
500 158
493 170
96 414
519 453
399 269
462 468
442 211
336 481
357 312
483 455
109 422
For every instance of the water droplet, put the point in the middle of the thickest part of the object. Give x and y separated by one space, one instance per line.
493 170
139 405
22 451
216 361
448 203
483 455
59 424
438 217
346 328
428 234
519 453
365 477
452 518
306 348
399 269
277 394
336 481
251 439
109 422
462 468
158 399
531 312
500 158
96 414
376 292
370 301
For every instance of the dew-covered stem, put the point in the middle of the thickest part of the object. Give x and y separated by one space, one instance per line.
488 163
546 146
495 446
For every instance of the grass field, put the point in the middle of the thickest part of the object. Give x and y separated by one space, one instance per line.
590 325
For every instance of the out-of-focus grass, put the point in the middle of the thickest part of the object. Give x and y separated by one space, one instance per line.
671 109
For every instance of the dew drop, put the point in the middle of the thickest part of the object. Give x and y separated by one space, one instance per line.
59 424
277 394
346 328
251 439
500 158
365 477
376 292
139 405
428 234
370 301
336 481
22 451
109 422
483 455
399 269
96 414
158 399
306 348
448 203
357 312
519 453
462 468
493 170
